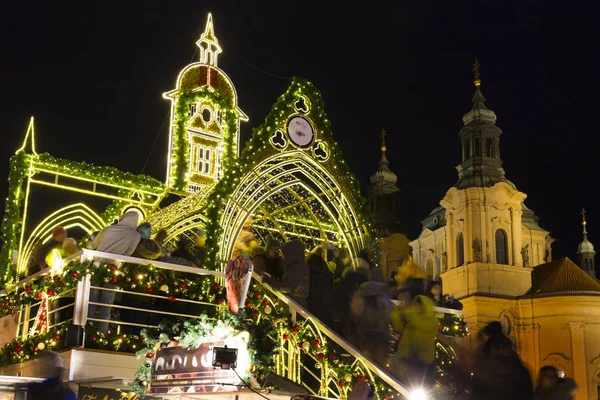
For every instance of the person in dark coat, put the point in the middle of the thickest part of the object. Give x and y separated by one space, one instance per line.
321 301
269 260
552 386
434 291
344 290
501 375
53 387
296 275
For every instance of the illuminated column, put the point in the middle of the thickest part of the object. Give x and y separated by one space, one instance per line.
515 223
528 346
490 256
578 355
468 234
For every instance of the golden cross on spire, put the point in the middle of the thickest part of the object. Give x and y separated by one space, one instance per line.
383 134
583 222
476 66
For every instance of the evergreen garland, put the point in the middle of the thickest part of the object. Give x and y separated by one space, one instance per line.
11 223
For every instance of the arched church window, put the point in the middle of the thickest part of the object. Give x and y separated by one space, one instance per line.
489 147
429 268
477 148
467 149
460 249
501 255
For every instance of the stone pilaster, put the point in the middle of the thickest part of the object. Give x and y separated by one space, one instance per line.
577 329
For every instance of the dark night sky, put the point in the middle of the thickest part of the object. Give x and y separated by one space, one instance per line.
93 73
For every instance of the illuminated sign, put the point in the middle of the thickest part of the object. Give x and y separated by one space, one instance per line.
181 370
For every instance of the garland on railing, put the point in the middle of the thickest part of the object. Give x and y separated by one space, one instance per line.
131 277
24 349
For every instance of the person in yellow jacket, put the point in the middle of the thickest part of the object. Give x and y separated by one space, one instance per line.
418 328
410 278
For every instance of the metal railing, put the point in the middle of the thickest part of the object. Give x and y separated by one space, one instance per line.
293 363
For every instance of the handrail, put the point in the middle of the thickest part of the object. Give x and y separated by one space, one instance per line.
87 254
296 308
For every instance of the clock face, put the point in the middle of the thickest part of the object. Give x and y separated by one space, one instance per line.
300 131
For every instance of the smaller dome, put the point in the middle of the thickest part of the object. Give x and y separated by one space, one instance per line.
384 175
585 247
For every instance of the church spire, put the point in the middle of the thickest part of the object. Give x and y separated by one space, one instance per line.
208 44
384 176
585 251
481 165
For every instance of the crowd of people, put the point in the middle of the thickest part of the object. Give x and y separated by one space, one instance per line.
357 302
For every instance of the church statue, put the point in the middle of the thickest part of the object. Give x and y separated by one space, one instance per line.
476 250
525 255
444 262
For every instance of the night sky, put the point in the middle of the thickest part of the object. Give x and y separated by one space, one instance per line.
92 73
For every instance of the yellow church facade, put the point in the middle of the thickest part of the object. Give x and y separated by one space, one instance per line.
486 247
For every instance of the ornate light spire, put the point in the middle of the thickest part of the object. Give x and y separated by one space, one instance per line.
476 66
208 44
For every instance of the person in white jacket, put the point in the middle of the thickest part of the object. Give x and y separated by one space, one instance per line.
122 239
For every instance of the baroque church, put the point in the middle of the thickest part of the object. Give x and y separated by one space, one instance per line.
489 251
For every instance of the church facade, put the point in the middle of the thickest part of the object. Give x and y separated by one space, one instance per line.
488 250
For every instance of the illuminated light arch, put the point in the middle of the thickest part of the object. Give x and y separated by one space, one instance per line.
292 181
75 215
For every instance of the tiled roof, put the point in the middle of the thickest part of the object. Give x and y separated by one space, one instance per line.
560 276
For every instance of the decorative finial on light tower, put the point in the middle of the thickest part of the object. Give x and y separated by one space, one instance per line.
383 134
476 66
584 223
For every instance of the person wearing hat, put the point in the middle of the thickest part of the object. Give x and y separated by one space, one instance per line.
269 260
59 234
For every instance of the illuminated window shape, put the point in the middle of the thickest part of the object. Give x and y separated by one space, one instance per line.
193 109
202 159
501 240
460 249
489 147
206 115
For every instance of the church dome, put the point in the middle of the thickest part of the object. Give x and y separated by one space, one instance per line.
384 174
585 247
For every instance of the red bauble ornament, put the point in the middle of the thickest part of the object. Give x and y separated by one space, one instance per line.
39 295
172 298
286 336
265 303
219 301
295 329
320 356
161 278
50 292
361 378
56 337
35 349
461 327
317 343
75 274
341 384
389 397
300 345
19 347
215 286
28 289
112 267
12 312
149 288
258 295
57 279
93 338
149 355
248 305
332 356
441 327
182 285
114 279
255 313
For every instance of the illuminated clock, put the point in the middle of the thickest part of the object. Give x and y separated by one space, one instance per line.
300 131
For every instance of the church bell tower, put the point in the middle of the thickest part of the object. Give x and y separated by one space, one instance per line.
585 251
